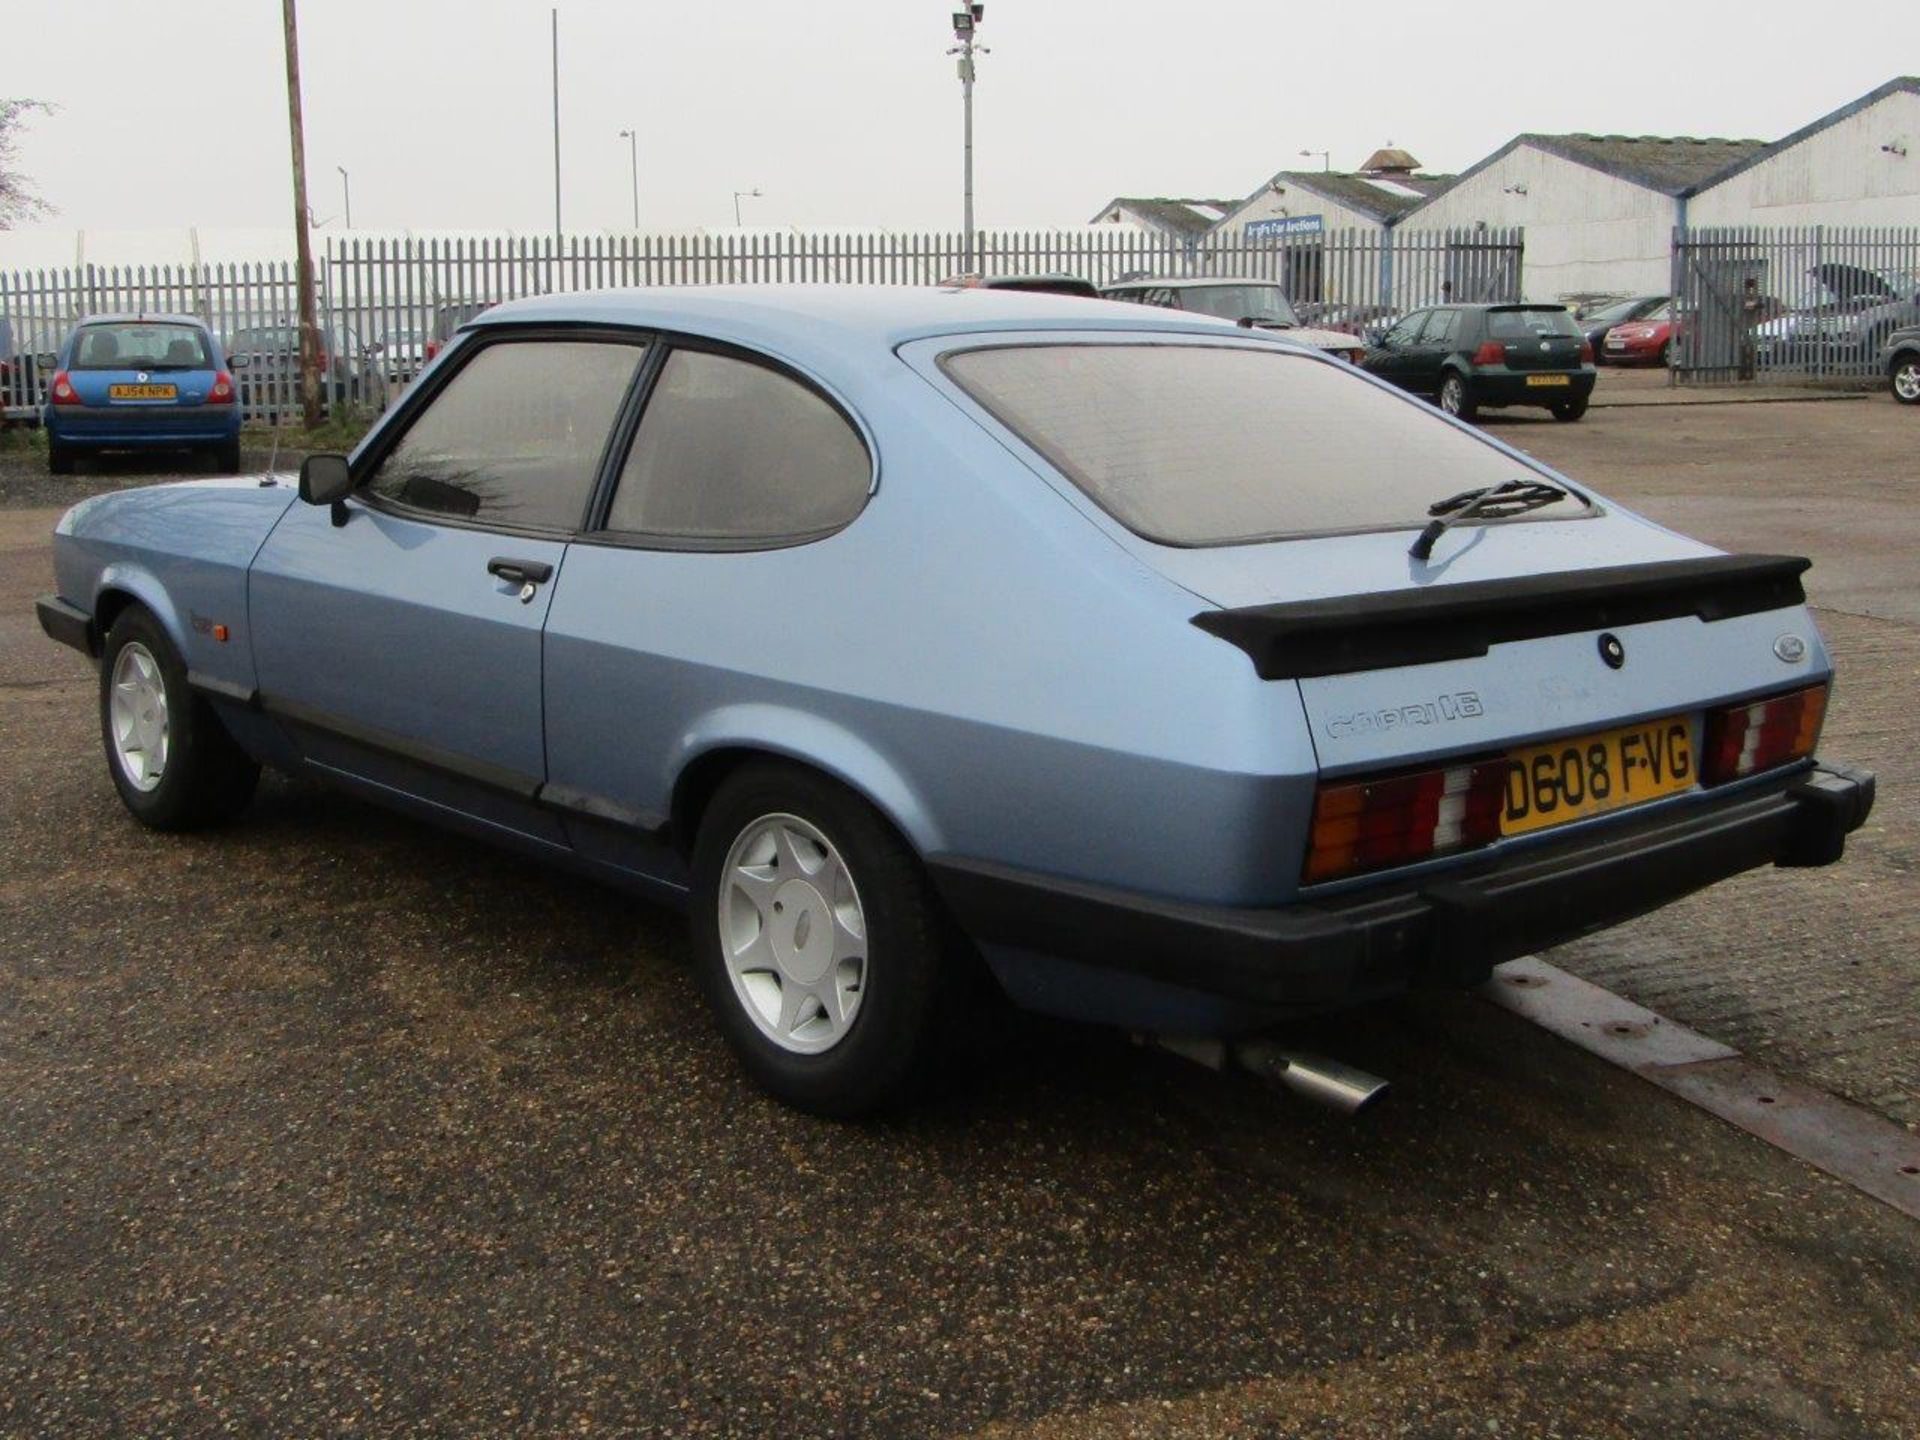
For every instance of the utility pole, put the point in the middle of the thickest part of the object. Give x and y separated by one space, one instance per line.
633 156
346 195
302 245
966 21
556 129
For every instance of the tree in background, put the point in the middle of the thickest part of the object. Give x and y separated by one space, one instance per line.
17 200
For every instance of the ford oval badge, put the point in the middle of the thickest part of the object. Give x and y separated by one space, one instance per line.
1790 648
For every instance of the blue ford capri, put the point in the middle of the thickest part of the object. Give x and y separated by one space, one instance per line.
137 382
1174 675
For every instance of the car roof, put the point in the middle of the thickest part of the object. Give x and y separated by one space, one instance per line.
142 319
829 320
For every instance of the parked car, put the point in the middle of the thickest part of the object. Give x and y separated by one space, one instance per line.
1054 283
1189 679
1469 358
1256 304
1596 322
27 352
1900 361
400 352
1860 308
1646 341
266 360
141 382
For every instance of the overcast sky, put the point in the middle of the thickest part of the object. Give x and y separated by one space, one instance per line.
847 112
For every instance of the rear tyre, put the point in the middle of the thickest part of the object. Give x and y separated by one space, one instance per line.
1905 375
171 759
226 456
819 943
1456 396
59 458
1569 410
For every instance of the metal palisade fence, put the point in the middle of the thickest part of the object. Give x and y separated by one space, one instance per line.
1794 304
386 304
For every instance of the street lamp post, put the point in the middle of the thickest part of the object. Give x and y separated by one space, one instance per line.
346 195
966 21
633 156
1326 159
738 195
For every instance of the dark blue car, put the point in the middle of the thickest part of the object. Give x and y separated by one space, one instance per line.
141 382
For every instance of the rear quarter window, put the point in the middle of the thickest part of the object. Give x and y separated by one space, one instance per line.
1217 445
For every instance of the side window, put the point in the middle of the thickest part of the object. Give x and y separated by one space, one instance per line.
1442 325
515 437
1404 332
729 450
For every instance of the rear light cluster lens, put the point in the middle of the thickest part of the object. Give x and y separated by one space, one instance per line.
1491 352
62 391
222 391
1586 352
1746 739
1362 825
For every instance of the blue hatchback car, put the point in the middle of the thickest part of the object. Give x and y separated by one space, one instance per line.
141 382
1172 674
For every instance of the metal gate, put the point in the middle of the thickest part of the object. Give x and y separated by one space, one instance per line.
1812 303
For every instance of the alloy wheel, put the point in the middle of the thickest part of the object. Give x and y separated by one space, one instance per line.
1906 381
793 933
138 715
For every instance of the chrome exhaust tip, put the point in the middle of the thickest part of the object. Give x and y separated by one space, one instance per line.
1326 1082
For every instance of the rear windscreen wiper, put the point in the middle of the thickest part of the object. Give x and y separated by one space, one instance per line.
1489 502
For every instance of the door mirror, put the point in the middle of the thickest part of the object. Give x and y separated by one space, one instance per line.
325 480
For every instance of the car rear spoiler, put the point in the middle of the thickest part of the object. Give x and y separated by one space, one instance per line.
1345 633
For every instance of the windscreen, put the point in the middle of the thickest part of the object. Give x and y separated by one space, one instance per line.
141 346
1523 324
1263 304
1222 445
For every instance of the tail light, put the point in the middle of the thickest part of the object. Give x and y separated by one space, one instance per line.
1491 352
1586 352
433 348
61 392
1371 824
221 392
1746 739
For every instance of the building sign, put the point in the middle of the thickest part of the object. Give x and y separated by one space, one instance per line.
1286 225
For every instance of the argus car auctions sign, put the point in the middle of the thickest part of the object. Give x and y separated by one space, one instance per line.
1286 225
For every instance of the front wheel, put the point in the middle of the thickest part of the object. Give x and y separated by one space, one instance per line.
171 759
1455 396
819 942
1905 375
1569 410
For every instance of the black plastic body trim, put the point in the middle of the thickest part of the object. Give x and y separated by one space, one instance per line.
1448 929
563 798
1375 631
401 747
65 622
244 695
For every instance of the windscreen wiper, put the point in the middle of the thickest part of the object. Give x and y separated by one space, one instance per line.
1489 502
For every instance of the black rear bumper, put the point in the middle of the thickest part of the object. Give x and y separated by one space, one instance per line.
1447 929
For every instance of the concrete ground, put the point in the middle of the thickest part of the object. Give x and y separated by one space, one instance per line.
331 1122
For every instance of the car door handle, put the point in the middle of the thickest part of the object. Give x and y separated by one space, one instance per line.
520 572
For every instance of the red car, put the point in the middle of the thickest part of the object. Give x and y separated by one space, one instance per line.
1645 341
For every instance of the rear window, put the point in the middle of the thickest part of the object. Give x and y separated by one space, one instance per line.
141 345
1265 304
1519 324
1222 445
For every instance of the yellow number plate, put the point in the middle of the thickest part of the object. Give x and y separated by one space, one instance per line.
142 392
1549 380
1588 774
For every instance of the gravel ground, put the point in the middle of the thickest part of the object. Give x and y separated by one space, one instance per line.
329 1122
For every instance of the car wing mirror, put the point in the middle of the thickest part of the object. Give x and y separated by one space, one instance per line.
327 480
